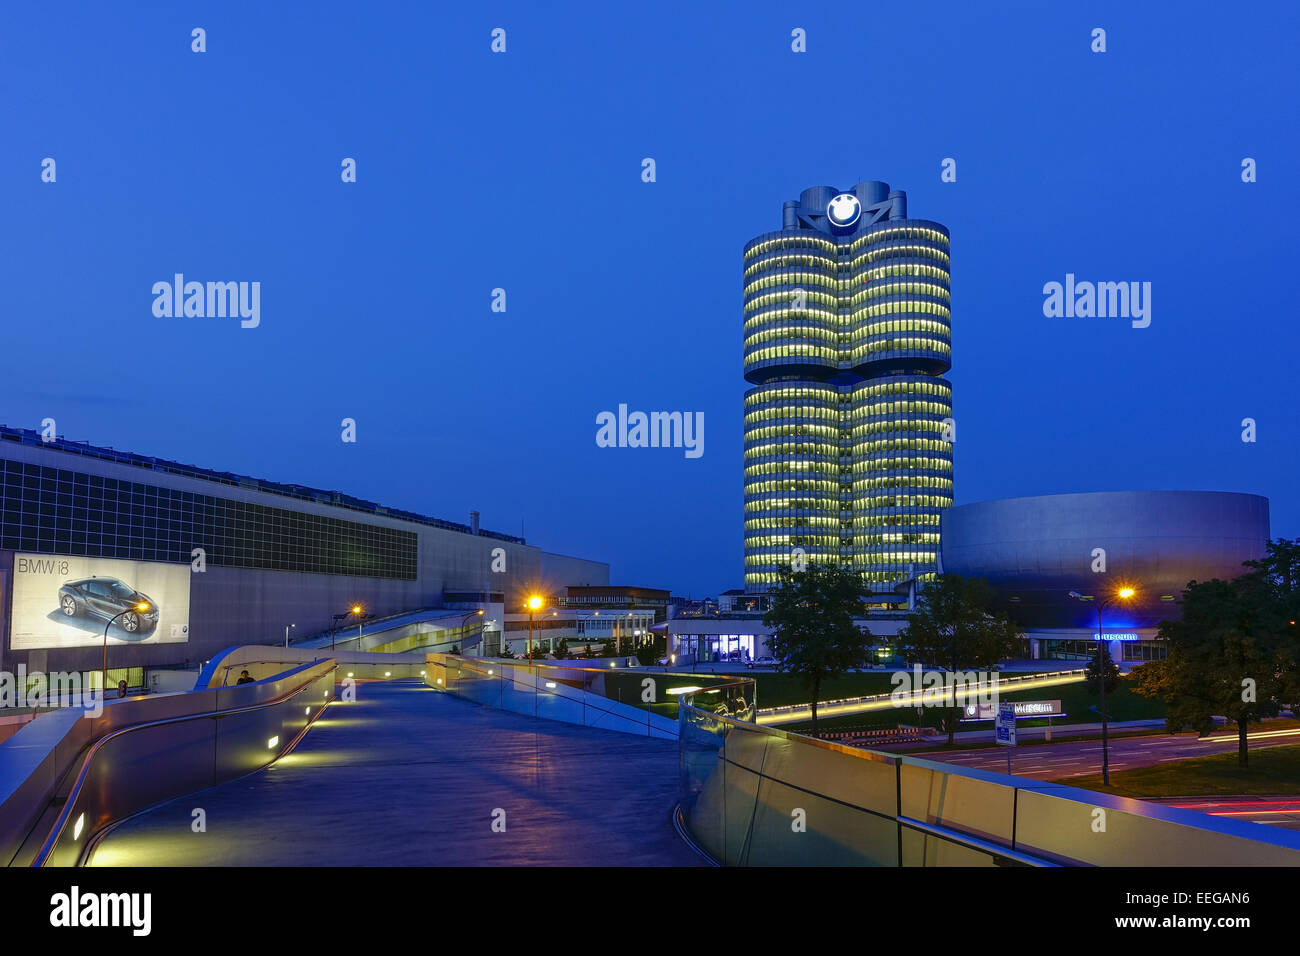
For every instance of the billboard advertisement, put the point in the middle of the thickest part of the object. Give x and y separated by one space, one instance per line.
67 600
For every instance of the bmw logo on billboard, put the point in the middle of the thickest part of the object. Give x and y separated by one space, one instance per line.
844 209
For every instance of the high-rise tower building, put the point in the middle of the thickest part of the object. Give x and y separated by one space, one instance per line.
848 428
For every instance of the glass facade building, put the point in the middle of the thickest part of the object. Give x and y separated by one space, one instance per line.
62 511
848 431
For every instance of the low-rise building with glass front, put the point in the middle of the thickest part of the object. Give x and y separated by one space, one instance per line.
166 563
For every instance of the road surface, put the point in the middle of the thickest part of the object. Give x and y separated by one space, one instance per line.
1057 761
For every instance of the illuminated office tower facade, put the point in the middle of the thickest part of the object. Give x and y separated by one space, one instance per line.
848 425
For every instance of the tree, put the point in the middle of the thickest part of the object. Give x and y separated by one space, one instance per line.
812 613
953 628
1111 670
562 649
1234 650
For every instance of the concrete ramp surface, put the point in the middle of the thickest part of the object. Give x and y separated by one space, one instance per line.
407 776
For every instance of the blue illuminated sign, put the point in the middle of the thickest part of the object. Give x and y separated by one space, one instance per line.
1117 636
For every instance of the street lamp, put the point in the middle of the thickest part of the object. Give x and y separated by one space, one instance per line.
286 634
141 607
1123 594
355 609
534 604
465 618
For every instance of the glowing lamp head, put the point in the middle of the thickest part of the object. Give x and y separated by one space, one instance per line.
534 603
356 609
1126 593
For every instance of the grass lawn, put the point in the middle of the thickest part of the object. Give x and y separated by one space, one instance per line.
1076 701
1275 770
777 690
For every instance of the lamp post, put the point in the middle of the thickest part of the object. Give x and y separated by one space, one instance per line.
465 618
355 609
1123 594
141 607
534 604
286 634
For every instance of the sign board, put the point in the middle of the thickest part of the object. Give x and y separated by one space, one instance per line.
1023 708
1004 727
69 601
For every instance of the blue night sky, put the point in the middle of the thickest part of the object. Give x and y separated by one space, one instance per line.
522 171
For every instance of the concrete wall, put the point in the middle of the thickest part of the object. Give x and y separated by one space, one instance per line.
559 571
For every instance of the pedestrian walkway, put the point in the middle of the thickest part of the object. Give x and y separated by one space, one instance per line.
412 777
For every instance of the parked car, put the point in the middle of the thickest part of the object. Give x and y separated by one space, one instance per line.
107 598
765 661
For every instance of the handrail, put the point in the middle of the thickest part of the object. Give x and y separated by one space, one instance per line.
549 693
60 824
965 839
230 667
509 668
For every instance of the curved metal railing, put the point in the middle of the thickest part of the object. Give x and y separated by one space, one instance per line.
616 698
106 791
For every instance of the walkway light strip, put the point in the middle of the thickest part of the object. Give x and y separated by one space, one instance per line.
76 828
270 744
1254 736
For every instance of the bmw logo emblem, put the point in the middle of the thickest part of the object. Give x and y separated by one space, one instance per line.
844 209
